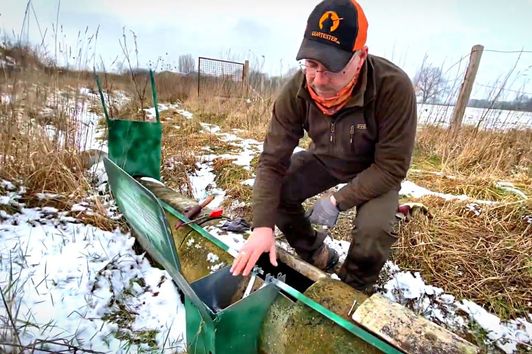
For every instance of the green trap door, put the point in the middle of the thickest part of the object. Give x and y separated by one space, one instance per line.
135 145
236 321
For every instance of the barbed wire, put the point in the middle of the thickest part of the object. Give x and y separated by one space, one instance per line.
459 77
459 61
508 51
502 51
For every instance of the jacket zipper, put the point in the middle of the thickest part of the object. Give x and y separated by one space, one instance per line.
331 136
351 134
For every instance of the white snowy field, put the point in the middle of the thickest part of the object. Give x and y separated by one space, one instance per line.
483 118
75 285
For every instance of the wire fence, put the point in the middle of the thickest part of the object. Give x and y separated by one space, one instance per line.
223 77
501 104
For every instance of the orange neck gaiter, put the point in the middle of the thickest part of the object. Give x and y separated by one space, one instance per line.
331 105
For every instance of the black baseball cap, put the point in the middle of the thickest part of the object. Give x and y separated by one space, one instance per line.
335 30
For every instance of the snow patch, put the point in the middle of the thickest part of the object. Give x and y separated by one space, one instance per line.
410 189
409 289
73 281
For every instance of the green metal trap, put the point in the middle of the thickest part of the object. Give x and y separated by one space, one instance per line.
219 320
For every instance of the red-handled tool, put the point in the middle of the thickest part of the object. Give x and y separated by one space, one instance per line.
194 211
217 213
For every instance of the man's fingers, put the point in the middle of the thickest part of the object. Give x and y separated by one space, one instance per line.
235 262
251 262
240 263
273 255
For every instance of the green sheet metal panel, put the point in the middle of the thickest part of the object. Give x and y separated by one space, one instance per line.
216 323
236 324
135 145
144 215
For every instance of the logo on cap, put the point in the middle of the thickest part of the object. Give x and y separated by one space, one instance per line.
331 20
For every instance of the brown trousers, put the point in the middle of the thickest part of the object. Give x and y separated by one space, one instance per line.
373 233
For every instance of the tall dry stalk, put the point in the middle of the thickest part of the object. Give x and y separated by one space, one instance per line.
135 72
42 129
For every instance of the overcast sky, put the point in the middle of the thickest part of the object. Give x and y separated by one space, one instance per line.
269 33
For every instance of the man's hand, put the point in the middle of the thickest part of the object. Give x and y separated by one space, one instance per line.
324 212
261 240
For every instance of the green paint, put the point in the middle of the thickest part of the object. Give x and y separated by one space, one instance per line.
236 324
133 145
146 218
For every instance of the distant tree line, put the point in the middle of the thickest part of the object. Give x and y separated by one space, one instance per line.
520 103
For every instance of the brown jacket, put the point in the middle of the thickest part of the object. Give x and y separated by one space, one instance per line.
368 143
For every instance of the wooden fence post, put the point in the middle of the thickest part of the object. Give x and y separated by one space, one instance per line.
467 86
245 78
199 74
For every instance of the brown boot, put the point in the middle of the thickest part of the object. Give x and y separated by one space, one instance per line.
324 258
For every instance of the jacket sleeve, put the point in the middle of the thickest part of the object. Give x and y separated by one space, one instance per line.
396 119
284 131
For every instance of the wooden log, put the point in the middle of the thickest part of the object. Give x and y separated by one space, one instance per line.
301 266
405 329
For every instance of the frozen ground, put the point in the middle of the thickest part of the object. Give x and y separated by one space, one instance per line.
75 284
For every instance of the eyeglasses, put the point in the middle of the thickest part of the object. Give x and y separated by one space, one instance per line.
312 68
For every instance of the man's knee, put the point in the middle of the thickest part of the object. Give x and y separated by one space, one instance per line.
288 201
306 177
375 223
373 239
294 183
373 228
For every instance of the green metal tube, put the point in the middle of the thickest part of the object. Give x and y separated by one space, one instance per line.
290 326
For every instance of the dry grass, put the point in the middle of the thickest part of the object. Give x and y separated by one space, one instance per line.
40 141
229 177
62 173
172 87
183 142
476 187
485 258
475 152
251 116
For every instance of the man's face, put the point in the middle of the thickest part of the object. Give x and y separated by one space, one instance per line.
326 83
